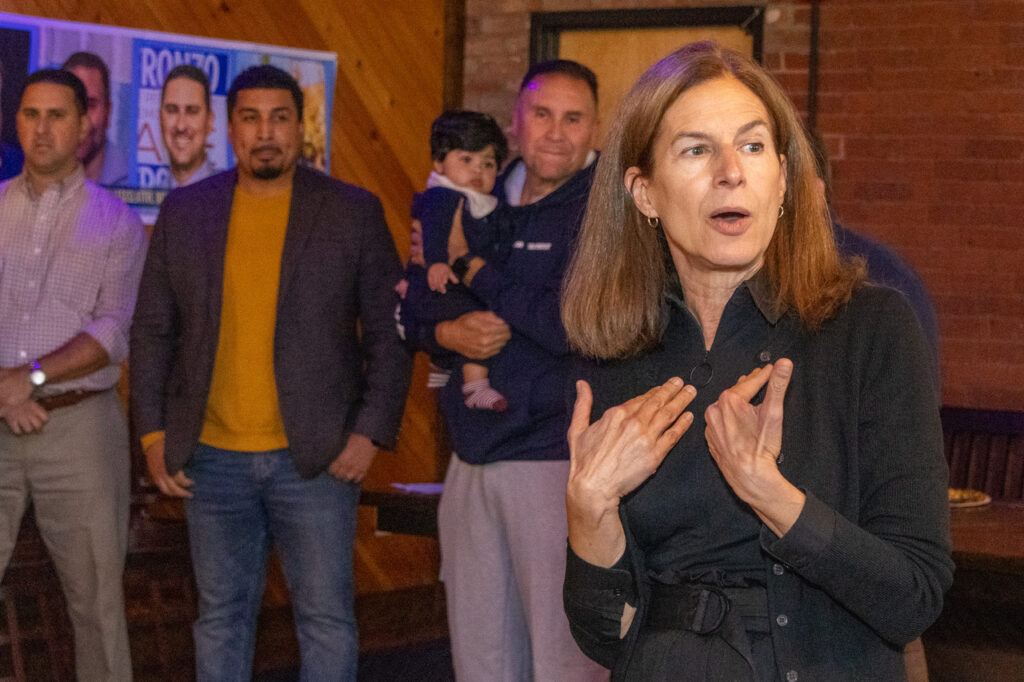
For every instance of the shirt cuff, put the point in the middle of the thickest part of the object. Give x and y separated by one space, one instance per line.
108 333
807 539
584 573
151 438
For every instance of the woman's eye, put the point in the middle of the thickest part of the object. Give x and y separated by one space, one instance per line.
754 147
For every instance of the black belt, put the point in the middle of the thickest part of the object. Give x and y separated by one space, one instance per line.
66 399
703 608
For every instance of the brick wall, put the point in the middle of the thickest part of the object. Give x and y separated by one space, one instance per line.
922 106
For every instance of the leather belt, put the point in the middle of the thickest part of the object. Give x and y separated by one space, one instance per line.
66 399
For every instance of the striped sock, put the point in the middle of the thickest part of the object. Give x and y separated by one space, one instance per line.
480 396
437 377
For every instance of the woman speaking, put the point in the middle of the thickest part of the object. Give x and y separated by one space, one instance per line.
763 493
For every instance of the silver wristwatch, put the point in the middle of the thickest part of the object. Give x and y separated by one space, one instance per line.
36 374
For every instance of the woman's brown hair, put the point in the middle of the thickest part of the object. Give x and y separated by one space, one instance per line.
612 294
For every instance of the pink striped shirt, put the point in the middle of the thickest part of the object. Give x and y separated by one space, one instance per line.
70 262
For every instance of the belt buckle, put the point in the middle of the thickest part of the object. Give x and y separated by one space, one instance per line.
706 607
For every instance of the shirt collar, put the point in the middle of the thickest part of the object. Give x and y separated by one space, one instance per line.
758 287
65 187
516 178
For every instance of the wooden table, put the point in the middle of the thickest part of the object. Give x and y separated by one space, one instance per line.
403 512
989 538
980 634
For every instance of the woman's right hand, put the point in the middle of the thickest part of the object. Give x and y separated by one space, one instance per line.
614 455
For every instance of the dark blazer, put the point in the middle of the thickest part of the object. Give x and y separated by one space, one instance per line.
338 362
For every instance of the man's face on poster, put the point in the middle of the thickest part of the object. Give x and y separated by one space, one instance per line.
98 111
185 122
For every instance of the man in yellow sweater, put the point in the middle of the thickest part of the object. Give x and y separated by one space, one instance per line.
266 372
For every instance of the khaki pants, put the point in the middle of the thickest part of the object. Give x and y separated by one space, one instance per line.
76 473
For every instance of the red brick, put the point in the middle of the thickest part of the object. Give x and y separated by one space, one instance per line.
928 13
795 61
983 192
969 326
974 34
792 82
983 170
1008 326
957 304
788 39
835 145
1006 148
989 223
986 351
844 14
1012 34
1003 11
505 23
1008 373
998 398
772 61
1006 124
845 81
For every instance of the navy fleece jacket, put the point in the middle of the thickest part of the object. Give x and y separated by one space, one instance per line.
532 368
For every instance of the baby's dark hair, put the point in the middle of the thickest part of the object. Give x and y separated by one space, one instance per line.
468 130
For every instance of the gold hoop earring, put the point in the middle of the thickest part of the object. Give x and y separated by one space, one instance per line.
782 209
654 221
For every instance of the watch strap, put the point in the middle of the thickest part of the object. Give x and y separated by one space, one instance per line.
461 266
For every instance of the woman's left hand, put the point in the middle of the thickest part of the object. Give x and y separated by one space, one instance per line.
745 441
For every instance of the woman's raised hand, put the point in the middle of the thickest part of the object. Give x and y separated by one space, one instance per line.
614 455
746 441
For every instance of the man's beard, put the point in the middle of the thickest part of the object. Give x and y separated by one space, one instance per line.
268 172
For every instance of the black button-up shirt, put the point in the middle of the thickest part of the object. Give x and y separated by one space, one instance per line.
865 567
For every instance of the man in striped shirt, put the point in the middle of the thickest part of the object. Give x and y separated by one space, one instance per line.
70 259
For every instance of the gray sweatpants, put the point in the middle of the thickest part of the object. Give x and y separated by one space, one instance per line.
503 537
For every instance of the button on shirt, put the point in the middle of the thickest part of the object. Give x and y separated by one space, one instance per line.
70 262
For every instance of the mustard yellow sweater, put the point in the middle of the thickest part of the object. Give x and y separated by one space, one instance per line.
242 412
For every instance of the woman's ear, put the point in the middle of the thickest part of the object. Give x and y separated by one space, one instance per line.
637 186
783 179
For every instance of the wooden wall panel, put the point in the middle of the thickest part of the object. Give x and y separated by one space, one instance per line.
389 88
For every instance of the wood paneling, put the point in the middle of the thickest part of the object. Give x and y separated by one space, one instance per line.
391 58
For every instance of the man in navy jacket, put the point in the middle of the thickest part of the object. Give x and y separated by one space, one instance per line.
502 516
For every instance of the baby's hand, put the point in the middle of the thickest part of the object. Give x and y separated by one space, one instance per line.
438 277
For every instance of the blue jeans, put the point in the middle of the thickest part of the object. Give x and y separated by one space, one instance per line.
241 501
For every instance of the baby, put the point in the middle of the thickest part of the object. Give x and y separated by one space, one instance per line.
467 148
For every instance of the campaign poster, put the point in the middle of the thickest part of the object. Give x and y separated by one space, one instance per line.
140 146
